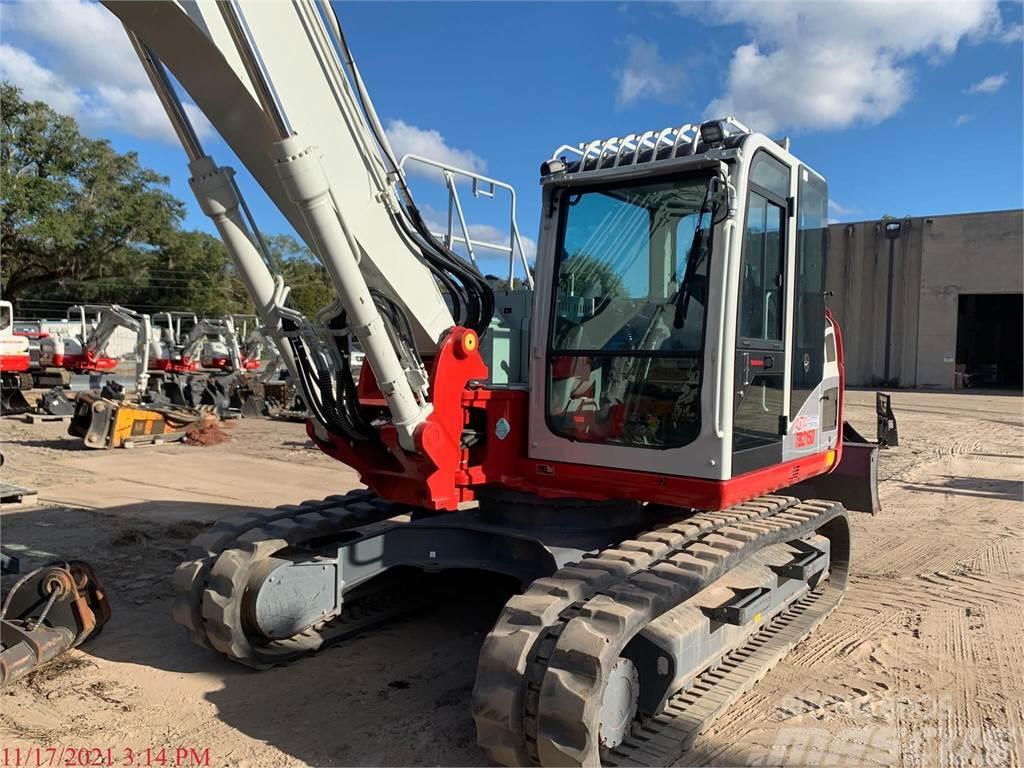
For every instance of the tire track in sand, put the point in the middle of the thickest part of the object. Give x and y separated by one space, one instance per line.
954 700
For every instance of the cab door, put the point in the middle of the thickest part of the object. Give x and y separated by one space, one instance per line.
760 417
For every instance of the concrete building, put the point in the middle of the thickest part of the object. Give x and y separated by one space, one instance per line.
934 301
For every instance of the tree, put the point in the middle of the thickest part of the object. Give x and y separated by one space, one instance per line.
78 216
193 272
311 288
582 274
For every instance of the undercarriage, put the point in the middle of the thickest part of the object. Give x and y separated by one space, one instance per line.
632 632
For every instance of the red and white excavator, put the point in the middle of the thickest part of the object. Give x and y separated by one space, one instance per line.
88 351
648 439
167 353
15 362
225 346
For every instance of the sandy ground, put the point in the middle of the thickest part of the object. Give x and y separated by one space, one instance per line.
921 665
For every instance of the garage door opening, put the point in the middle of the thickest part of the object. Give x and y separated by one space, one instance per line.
990 340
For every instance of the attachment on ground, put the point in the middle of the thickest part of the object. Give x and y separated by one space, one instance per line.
888 434
55 403
47 611
105 423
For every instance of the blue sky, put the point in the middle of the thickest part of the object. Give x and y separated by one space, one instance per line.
907 109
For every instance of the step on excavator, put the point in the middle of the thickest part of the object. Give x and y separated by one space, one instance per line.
626 437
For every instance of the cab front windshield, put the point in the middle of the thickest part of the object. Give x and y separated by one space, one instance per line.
627 328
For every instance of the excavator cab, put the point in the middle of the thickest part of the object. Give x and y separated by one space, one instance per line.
679 319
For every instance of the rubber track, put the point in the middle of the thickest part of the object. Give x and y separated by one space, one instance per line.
515 653
662 739
208 585
570 694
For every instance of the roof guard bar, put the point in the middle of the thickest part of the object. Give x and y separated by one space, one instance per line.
482 186
613 151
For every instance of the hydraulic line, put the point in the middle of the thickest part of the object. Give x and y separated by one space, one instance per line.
478 297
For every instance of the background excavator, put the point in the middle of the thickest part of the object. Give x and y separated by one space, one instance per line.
627 437
15 362
87 352
218 351
166 344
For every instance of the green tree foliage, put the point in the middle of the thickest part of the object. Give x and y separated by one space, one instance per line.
84 223
584 275
193 271
74 210
311 287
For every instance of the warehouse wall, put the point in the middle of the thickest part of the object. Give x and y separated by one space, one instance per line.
935 259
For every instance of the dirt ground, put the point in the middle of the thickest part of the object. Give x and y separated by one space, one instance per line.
921 665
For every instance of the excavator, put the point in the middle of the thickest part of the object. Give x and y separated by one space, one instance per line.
166 346
15 362
218 351
647 438
86 352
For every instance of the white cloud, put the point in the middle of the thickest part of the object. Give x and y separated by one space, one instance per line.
840 210
963 119
817 65
1012 34
990 84
408 139
86 41
646 74
91 70
37 82
488 233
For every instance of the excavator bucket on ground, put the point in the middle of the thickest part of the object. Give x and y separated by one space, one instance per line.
12 401
47 611
56 403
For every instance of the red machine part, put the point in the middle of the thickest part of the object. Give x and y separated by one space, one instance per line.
88 362
16 363
223 363
444 474
184 365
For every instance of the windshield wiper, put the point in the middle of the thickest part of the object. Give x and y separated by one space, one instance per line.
693 258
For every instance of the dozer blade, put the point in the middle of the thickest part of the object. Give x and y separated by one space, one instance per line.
103 423
47 611
853 482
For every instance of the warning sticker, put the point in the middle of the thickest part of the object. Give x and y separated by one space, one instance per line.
502 428
805 439
805 423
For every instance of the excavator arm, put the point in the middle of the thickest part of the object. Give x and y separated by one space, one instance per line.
111 317
279 84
